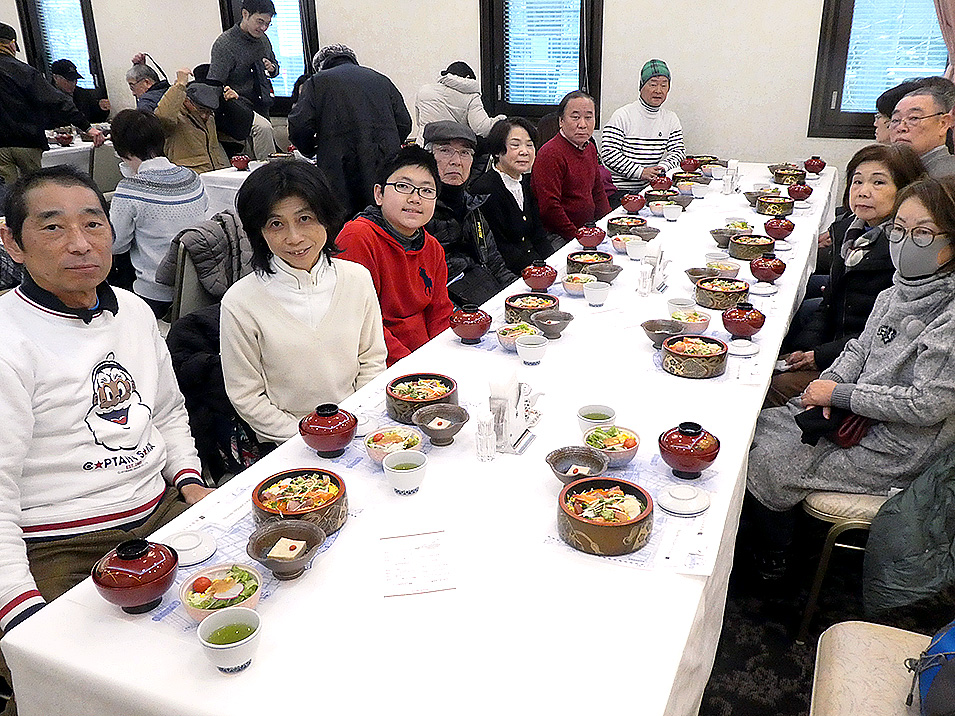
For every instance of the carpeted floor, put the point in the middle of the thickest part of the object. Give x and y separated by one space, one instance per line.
759 669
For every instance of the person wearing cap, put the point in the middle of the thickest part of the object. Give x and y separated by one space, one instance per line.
566 175
145 84
242 58
351 119
186 112
455 97
92 103
28 105
643 140
923 119
476 269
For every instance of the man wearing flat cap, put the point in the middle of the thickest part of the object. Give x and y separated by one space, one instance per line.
476 269
28 105
643 140
186 112
351 119
92 103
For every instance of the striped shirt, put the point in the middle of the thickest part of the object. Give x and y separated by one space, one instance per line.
640 136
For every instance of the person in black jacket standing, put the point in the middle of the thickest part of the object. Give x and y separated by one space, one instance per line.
91 102
28 104
476 270
352 119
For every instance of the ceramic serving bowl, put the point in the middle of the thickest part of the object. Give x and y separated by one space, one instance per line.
707 167
691 176
773 168
685 187
603 272
647 233
726 269
566 462
653 195
620 241
392 438
683 201
293 566
521 306
748 247
720 293
574 283
401 407
722 236
692 322
470 323
656 207
212 574
659 329
788 176
440 422
330 515
590 237
633 202
135 575
599 538
697 272
539 276
551 322
688 449
509 333
576 260
618 455
328 430
624 225
773 205
677 361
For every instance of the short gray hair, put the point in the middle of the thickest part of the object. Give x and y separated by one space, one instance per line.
943 97
141 72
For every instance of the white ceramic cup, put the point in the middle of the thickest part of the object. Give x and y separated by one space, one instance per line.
596 292
680 304
716 256
230 658
586 423
671 212
531 349
636 249
405 482
717 171
700 190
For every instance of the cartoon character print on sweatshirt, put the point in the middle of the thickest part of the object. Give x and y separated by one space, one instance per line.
118 418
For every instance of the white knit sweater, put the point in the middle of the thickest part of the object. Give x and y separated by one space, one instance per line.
278 368
93 428
640 136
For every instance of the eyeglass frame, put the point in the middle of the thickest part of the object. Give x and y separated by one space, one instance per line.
451 152
912 121
897 234
414 189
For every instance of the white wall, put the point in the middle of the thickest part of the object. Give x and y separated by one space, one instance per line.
8 15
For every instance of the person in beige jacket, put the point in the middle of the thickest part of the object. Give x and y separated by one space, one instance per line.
186 112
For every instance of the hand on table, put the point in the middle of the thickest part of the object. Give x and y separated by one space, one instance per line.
228 93
98 137
801 360
819 393
192 493
652 172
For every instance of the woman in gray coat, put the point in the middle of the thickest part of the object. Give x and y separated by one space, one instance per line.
900 373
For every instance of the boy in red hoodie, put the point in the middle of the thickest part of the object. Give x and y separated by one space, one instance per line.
406 263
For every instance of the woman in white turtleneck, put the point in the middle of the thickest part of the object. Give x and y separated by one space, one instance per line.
304 328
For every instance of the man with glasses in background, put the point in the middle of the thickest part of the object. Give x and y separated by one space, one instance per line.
242 58
922 119
145 84
476 269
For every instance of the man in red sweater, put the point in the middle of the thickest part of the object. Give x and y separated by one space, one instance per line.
406 263
566 177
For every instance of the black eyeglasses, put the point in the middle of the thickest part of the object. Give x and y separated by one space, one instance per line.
912 121
921 236
429 193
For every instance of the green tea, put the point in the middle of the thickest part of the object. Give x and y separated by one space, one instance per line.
230 634
597 416
405 466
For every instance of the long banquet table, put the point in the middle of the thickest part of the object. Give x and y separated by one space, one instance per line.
517 621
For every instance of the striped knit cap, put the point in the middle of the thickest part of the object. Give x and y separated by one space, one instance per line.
653 68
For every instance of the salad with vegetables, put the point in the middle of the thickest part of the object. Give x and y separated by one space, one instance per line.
234 587
611 438
695 347
517 329
689 316
423 389
605 505
393 439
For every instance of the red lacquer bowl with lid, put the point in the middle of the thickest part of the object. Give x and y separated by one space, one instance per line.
800 191
539 276
633 202
767 267
743 320
136 574
328 429
688 449
814 164
590 237
470 323
661 182
778 227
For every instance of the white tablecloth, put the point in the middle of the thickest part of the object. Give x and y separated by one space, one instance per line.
221 187
531 625
77 155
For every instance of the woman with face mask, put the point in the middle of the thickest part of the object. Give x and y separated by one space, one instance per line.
899 375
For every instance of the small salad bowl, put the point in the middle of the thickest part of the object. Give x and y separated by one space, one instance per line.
566 463
227 591
619 444
392 438
508 334
574 283
440 422
692 321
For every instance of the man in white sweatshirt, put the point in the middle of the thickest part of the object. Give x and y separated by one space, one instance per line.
643 140
95 445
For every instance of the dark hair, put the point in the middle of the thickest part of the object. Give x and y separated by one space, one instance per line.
279 180
259 6
410 156
15 205
497 137
885 104
900 159
461 69
138 134
200 73
547 128
938 196
576 94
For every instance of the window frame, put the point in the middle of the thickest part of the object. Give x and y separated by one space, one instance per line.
492 58
33 46
230 13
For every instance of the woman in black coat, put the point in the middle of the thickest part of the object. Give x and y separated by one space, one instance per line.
861 266
516 225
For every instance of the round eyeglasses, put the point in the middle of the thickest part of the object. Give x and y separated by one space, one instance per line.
425 192
921 236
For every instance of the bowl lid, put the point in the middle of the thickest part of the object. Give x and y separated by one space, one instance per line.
193 546
326 418
684 500
133 563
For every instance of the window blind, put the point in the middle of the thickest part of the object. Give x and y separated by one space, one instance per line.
285 34
890 41
64 35
541 50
